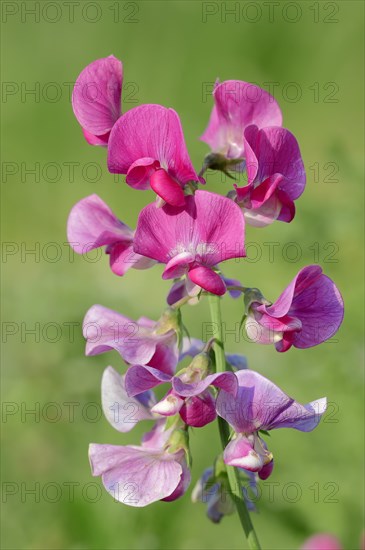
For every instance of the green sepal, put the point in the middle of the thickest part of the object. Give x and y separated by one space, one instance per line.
217 161
252 295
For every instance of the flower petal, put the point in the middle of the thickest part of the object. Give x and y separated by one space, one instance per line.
136 476
273 151
237 105
92 223
96 96
105 329
261 405
121 411
150 131
140 378
225 380
207 279
240 453
199 410
210 227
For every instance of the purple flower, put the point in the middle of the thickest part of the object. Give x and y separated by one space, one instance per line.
138 342
193 239
147 144
260 405
140 475
308 312
237 105
276 175
122 411
96 99
215 493
189 394
92 224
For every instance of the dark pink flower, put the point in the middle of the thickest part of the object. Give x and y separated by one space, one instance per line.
238 104
92 224
147 144
308 312
194 239
96 99
276 175
261 405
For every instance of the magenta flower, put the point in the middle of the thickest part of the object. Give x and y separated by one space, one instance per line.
147 144
189 395
140 475
322 541
96 99
260 405
237 105
308 312
276 175
138 342
194 239
122 411
92 224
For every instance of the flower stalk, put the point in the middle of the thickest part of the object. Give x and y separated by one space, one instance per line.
233 477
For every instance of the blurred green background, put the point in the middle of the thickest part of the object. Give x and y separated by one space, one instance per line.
310 54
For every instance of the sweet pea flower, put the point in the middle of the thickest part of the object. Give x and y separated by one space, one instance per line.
322 541
96 99
189 394
147 144
238 104
140 475
92 224
211 491
276 175
138 342
122 411
308 312
261 405
192 240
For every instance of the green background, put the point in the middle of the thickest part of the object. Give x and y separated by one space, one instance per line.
171 56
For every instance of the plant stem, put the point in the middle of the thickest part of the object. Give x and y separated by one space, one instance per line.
233 476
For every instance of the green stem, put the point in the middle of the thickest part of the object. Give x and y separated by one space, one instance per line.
233 477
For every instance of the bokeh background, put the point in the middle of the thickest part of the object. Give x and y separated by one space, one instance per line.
311 56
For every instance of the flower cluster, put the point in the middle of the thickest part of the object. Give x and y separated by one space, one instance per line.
191 231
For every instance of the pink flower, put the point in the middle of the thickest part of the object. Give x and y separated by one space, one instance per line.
92 224
237 105
194 239
138 342
189 394
276 175
96 99
140 475
147 144
322 541
261 405
308 312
